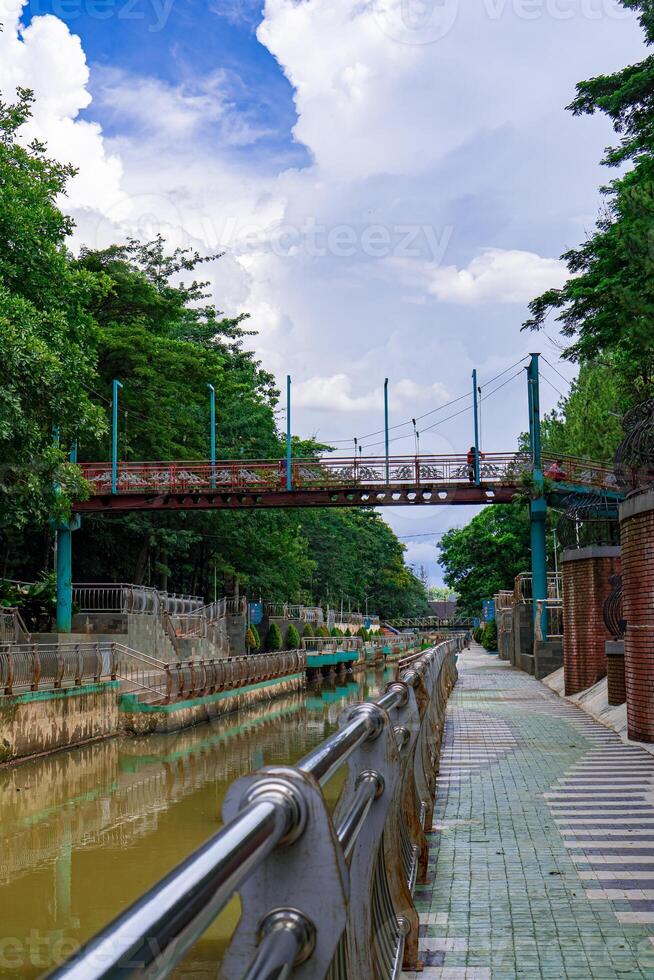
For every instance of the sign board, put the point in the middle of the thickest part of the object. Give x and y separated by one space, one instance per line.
255 612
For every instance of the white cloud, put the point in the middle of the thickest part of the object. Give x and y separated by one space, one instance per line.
339 393
47 58
500 275
158 109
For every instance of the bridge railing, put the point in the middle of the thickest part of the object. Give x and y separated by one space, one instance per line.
549 619
287 610
331 472
324 893
51 666
333 644
152 680
12 626
523 590
122 597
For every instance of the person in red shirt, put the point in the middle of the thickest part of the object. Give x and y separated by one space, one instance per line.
556 472
472 475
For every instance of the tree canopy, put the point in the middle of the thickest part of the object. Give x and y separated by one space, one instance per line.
68 327
607 305
487 554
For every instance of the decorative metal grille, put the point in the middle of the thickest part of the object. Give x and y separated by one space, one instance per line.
634 459
613 613
591 519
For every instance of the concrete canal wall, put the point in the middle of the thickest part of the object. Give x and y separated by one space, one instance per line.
43 721
144 719
40 722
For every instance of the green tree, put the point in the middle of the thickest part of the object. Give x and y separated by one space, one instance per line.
487 554
292 638
308 632
607 306
252 640
587 422
46 333
274 638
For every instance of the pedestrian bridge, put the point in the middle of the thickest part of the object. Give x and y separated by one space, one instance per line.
332 482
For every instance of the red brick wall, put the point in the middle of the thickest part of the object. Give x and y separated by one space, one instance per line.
585 576
617 692
637 535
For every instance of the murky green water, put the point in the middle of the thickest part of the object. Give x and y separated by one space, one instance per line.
86 831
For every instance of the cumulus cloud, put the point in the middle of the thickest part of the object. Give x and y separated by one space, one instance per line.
501 275
47 58
339 393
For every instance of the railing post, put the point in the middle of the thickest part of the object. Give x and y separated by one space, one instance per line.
36 669
287 880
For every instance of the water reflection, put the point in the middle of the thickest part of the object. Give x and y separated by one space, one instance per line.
84 832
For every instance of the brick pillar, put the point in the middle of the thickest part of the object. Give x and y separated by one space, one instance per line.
585 573
637 536
616 690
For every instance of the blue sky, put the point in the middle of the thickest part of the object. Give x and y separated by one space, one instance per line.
180 41
391 181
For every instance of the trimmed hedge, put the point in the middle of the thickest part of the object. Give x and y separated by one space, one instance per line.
274 638
292 638
252 638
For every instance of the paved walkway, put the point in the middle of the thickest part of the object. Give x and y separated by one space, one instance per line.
542 861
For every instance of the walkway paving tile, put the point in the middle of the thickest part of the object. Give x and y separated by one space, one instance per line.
542 846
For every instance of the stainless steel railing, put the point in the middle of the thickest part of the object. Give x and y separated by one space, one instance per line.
326 893
12 626
122 597
287 610
51 666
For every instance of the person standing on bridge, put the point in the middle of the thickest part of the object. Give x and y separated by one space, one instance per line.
471 460
556 471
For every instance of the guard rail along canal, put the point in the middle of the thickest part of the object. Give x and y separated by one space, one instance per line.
323 894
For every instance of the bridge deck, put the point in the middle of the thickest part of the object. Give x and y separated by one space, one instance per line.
326 482
542 857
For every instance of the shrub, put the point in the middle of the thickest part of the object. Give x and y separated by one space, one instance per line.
292 638
324 632
274 638
252 640
347 632
489 637
363 633
336 631
308 630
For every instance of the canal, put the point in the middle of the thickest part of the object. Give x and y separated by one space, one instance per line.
86 831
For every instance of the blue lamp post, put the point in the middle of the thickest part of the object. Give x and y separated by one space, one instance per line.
212 412
114 436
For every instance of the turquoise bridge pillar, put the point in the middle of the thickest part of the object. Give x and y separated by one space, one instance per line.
538 505
64 564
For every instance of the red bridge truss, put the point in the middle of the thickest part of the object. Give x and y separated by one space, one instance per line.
328 482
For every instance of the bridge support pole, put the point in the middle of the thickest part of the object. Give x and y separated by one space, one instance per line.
64 574
538 506
64 580
538 525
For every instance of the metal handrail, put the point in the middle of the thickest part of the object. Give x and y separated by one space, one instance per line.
188 476
123 597
12 626
287 610
549 619
366 854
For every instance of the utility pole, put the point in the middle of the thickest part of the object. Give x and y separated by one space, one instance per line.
114 437
538 504
289 481
476 415
388 471
212 415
